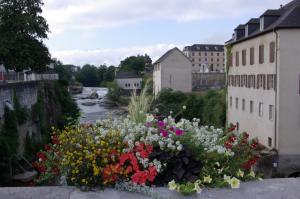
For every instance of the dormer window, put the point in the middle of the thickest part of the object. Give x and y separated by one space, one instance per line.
262 25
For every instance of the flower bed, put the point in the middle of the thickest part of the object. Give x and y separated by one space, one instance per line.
158 152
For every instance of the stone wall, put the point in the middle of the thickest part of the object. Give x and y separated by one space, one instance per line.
25 91
205 81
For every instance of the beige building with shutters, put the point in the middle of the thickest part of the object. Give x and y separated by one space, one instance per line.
206 57
264 80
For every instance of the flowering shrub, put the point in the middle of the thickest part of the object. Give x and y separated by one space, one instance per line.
48 164
182 154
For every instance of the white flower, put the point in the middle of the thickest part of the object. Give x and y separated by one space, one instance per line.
240 173
179 148
252 174
227 179
235 183
149 118
197 188
172 185
40 160
184 107
156 110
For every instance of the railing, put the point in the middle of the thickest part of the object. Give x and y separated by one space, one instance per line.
12 77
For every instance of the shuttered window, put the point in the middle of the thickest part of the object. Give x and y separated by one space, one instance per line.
272 52
244 52
261 54
252 56
237 58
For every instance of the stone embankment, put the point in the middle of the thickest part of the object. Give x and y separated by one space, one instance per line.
270 188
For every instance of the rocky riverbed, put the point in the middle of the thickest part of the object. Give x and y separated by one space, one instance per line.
95 106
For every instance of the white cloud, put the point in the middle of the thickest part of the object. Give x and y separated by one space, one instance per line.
111 56
77 14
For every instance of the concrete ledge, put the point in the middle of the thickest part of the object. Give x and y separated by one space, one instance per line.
271 188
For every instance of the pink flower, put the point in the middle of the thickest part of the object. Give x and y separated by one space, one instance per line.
164 133
178 132
161 124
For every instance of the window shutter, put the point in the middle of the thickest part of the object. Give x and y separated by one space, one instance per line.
272 52
252 56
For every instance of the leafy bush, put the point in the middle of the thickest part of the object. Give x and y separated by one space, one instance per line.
210 108
113 91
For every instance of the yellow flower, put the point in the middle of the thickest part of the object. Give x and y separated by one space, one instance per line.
172 185
235 183
240 173
197 188
207 179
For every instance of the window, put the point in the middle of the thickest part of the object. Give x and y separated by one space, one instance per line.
271 79
271 112
251 106
237 61
261 54
205 54
229 61
217 54
243 104
193 59
244 52
199 53
200 60
252 56
237 103
193 54
212 59
230 101
270 142
212 54
272 52
260 109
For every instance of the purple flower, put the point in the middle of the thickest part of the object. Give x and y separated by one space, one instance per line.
164 133
161 124
148 124
178 132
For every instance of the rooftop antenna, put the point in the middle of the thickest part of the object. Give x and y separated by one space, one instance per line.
281 5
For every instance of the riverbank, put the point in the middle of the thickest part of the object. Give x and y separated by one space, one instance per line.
286 188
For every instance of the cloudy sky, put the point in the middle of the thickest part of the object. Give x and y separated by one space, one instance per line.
106 31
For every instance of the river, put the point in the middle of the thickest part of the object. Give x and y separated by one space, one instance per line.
99 108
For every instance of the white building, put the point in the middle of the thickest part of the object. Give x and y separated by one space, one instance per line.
264 79
128 81
173 70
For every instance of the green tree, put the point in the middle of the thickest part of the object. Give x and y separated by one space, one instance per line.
135 63
65 72
109 74
88 76
22 30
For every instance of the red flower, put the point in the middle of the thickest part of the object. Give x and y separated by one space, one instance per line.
55 170
42 156
228 145
55 140
47 147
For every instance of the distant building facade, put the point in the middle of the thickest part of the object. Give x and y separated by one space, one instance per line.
128 81
264 79
206 57
172 70
208 81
